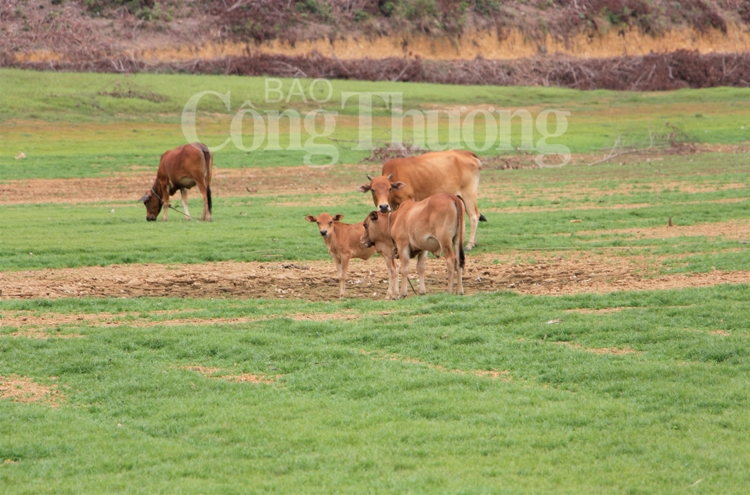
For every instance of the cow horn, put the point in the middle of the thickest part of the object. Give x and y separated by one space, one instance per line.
369 177
390 176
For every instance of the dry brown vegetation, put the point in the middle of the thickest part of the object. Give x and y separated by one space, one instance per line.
75 38
653 72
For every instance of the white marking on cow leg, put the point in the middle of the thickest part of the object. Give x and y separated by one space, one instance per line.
421 263
183 195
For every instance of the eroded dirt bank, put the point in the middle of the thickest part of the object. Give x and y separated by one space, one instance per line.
514 44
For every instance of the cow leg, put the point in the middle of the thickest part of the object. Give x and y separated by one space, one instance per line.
183 194
470 205
459 274
206 217
450 261
165 199
421 263
342 266
392 293
404 255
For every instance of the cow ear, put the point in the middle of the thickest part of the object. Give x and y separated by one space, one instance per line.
364 188
373 216
398 185
338 217
311 218
145 198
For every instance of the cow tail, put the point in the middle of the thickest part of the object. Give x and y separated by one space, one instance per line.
461 231
209 170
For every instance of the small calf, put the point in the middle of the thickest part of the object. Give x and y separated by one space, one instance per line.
435 225
343 242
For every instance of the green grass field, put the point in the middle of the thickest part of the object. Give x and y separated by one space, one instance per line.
625 392
375 405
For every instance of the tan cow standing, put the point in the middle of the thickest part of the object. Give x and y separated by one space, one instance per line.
180 169
343 241
435 225
419 177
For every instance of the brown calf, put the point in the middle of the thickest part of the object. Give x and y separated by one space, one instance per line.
419 177
343 243
435 225
180 169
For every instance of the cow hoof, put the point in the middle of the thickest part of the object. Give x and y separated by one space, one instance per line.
469 247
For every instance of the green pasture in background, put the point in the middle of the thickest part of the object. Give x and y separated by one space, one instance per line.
80 125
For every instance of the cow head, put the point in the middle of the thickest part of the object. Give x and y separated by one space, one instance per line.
376 230
153 205
381 188
325 223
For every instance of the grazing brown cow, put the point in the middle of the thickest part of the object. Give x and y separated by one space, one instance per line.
180 169
418 177
435 225
343 243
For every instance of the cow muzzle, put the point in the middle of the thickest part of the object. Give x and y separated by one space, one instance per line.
384 208
150 219
324 233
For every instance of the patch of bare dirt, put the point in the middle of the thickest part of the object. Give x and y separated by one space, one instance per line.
615 351
601 311
26 390
581 190
35 333
39 327
503 375
723 333
735 229
256 182
550 273
217 374
28 319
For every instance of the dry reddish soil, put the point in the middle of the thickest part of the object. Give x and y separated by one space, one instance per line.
50 325
600 350
219 374
552 273
738 229
25 390
504 375
130 187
